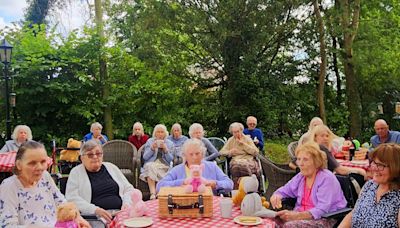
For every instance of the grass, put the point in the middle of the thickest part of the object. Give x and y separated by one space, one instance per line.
277 152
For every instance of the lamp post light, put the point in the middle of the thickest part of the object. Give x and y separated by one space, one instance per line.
380 108
397 111
5 58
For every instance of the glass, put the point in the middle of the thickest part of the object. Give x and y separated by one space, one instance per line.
378 166
91 155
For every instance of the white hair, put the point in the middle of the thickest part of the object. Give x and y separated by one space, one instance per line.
197 144
163 127
19 128
176 126
195 126
95 125
236 125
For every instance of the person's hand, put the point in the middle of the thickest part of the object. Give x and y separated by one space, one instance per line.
212 184
82 223
287 215
154 145
104 214
256 141
276 201
233 151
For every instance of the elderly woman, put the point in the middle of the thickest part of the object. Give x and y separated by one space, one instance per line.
21 134
196 131
243 151
95 133
96 186
193 152
313 123
138 137
379 202
177 139
323 136
30 197
317 191
157 157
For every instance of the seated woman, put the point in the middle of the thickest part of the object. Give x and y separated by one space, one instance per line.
196 131
177 139
21 134
379 202
243 151
157 157
96 186
30 197
193 152
313 123
317 191
138 137
95 134
323 136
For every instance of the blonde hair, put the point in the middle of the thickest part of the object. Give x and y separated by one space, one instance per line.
318 156
177 126
389 153
137 124
18 128
313 121
319 130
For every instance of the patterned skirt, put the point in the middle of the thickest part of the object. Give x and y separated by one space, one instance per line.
154 170
241 168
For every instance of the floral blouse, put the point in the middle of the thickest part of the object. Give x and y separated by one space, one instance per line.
25 206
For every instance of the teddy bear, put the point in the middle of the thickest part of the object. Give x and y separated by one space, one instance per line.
252 203
238 197
195 183
71 153
67 214
138 207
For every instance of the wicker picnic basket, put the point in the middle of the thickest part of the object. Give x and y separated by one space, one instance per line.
174 202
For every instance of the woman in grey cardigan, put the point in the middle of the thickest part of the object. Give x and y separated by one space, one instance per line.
196 131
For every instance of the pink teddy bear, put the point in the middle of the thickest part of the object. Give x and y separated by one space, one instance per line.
195 183
138 207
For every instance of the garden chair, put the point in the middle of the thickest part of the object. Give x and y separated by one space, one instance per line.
122 154
291 149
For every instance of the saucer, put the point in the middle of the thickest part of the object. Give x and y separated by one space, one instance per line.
247 220
138 222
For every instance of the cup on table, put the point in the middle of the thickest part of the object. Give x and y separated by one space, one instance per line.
226 207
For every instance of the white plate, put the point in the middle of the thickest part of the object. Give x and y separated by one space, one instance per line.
138 222
360 162
237 219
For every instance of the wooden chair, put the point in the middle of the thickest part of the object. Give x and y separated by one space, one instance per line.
122 154
291 149
276 174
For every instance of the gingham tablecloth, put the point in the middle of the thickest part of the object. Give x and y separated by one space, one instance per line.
364 164
214 222
7 161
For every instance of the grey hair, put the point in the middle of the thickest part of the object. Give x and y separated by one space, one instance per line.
177 126
18 128
89 145
194 127
251 117
29 145
162 126
95 125
236 125
137 124
197 143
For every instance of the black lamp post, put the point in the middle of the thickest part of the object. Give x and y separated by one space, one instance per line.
5 58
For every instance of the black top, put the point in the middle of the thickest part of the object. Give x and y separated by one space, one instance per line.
105 191
332 163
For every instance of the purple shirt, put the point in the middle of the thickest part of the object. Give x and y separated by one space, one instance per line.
326 193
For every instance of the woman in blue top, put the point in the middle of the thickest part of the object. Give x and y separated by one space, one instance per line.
379 201
177 139
193 152
95 133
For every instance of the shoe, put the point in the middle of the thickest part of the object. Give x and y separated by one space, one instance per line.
153 196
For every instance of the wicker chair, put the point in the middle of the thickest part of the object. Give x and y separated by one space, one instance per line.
291 149
277 174
122 154
140 184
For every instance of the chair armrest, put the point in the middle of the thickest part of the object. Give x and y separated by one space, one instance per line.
337 214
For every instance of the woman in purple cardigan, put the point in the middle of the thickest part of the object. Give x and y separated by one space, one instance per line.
193 152
317 191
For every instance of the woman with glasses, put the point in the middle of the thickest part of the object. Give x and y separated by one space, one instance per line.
96 186
379 202
316 189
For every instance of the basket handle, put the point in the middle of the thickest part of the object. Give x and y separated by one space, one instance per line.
172 205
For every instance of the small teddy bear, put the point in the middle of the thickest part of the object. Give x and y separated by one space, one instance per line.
67 214
71 153
238 197
138 207
195 183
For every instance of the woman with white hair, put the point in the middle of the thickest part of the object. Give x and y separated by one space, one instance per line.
95 133
138 138
193 152
196 131
243 151
157 157
177 139
21 134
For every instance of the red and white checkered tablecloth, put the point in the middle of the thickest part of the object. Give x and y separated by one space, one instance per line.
364 164
215 221
7 161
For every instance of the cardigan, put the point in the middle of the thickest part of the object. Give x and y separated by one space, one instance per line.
79 190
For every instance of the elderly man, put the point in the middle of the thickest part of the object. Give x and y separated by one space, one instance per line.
255 133
193 152
383 135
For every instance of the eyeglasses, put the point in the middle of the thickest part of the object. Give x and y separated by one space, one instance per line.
91 155
378 166
304 160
